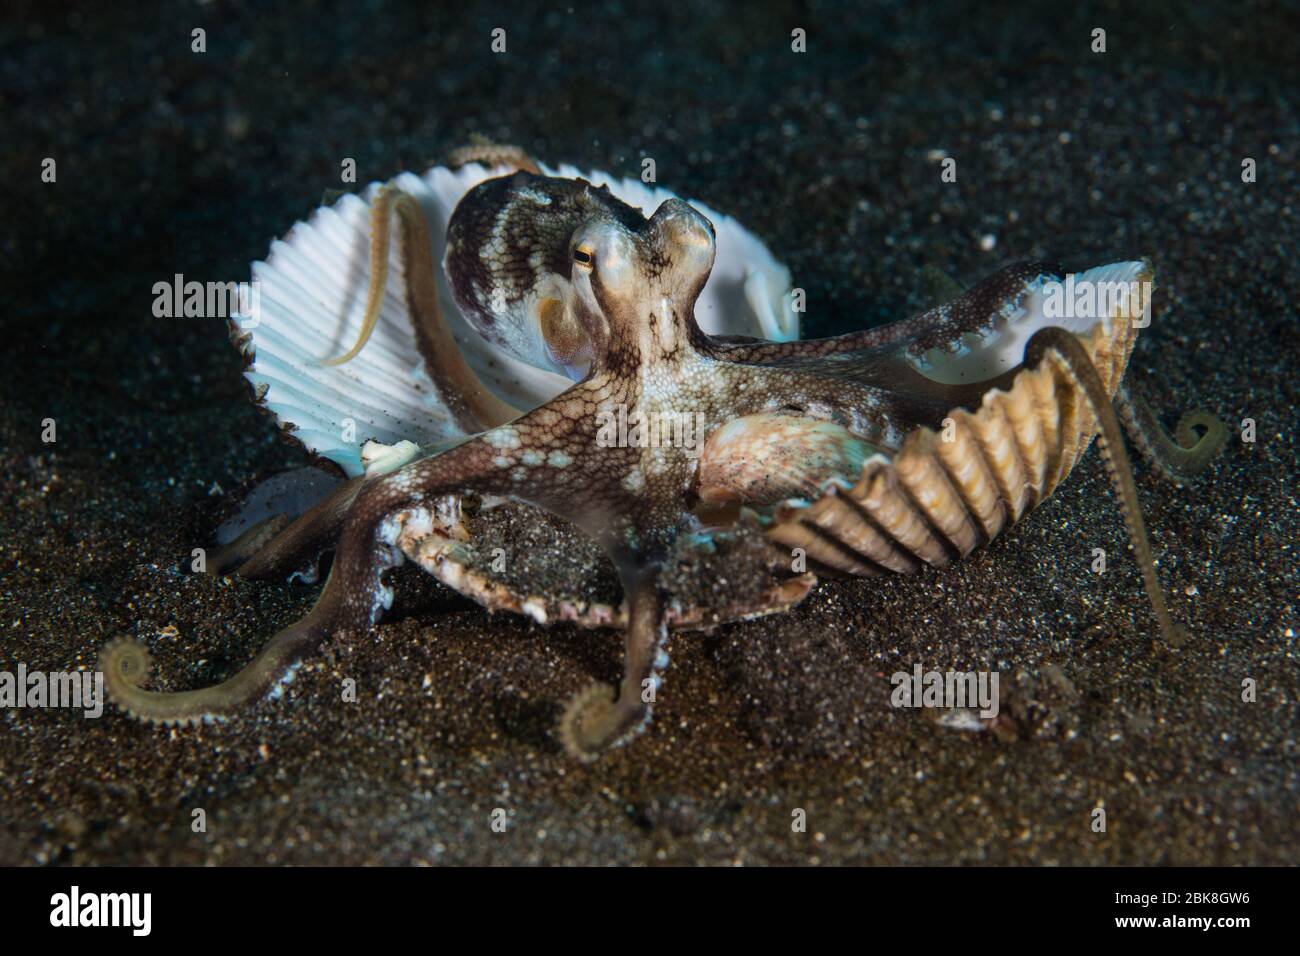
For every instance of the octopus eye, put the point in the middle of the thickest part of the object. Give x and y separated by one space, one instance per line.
583 256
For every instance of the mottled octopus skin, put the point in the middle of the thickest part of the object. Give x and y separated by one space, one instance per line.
630 284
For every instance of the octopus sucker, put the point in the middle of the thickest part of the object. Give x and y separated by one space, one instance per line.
887 451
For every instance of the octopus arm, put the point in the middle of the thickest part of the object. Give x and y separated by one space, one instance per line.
1181 456
367 514
939 327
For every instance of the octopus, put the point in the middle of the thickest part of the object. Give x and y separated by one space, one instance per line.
876 452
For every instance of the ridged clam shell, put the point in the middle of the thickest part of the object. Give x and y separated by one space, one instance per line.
937 500
312 291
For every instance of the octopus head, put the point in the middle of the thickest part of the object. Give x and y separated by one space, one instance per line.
636 287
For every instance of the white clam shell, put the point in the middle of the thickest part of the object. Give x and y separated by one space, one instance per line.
310 298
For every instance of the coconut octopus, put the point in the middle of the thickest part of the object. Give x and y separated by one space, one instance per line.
562 363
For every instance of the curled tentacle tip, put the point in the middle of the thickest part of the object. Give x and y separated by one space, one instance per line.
126 660
1209 442
125 664
1177 636
593 722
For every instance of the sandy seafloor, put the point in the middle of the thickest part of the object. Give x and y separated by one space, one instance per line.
172 162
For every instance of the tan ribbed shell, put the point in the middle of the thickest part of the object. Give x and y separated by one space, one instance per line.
938 499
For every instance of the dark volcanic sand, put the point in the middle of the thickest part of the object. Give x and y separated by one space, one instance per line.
172 162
